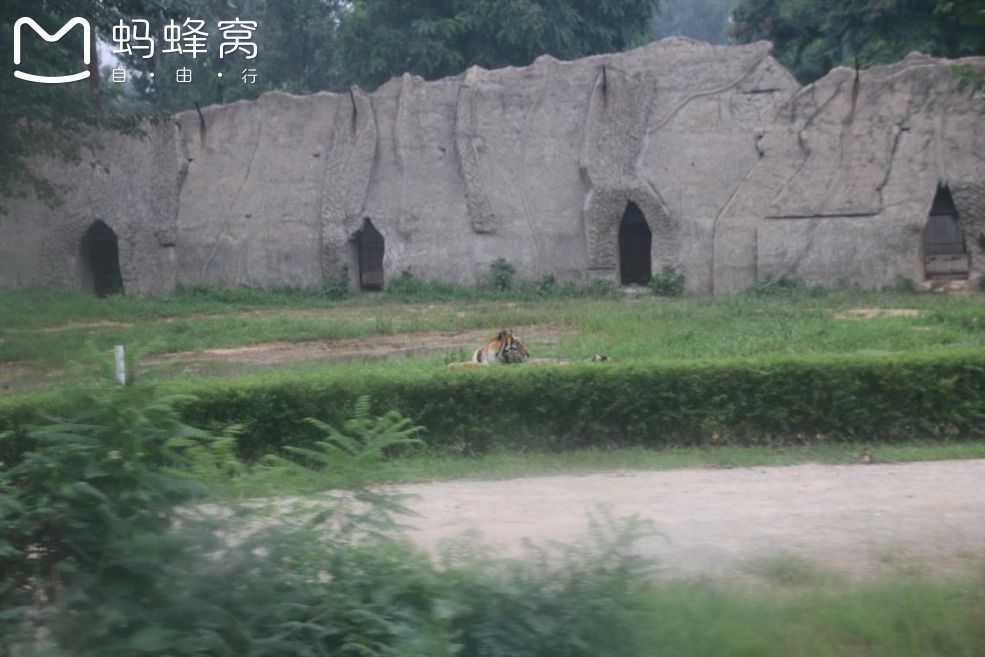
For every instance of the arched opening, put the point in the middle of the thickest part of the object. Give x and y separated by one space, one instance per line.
634 247
944 253
369 256
99 255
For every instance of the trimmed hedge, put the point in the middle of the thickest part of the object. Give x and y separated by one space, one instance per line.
775 401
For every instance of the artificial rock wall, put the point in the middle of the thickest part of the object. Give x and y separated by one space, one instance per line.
740 173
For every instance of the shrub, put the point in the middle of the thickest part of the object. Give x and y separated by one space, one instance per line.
106 551
902 285
786 285
86 516
337 287
409 287
501 275
668 283
763 401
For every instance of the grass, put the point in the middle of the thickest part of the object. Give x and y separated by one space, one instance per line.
423 466
50 328
891 618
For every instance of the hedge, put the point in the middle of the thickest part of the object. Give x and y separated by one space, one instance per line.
775 401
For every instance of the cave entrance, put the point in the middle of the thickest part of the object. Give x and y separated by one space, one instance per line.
100 260
369 254
634 247
944 254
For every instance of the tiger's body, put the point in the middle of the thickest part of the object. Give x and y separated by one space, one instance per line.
505 348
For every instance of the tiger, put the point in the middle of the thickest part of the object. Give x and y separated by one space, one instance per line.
505 348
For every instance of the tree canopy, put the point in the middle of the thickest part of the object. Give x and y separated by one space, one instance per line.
811 37
705 20
379 39
53 119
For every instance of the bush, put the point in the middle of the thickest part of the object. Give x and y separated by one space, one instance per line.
902 285
501 275
337 287
409 287
668 283
106 551
765 401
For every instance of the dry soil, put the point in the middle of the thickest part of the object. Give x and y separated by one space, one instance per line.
855 521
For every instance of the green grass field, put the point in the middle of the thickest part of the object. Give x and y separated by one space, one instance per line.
785 606
51 328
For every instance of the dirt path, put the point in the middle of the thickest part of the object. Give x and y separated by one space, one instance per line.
856 520
397 345
230 361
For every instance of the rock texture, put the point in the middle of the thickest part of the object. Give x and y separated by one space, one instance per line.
739 173
847 177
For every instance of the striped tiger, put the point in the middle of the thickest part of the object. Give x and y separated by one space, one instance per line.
505 348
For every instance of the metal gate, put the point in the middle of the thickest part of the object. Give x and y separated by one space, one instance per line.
945 255
370 257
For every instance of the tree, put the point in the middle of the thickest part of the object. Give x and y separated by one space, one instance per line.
295 40
812 36
295 53
705 20
52 120
379 39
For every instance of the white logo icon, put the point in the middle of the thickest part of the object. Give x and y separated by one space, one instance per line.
51 38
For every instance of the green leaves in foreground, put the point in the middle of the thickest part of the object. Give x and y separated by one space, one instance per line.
362 442
109 548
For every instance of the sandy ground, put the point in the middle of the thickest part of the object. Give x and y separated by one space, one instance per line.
853 520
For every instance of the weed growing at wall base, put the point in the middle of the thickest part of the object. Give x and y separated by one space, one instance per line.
668 283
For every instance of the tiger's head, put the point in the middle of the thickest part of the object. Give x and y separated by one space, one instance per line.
510 350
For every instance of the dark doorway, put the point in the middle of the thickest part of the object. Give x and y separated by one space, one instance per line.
944 252
100 259
634 247
369 249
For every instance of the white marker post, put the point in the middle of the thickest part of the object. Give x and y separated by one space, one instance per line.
121 365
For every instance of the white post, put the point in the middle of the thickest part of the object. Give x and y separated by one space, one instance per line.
121 365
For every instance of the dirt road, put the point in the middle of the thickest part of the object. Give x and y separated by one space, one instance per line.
855 520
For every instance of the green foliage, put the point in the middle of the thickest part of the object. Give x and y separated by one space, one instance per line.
87 510
668 283
58 120
783 285
547 284
337 288
501 275
705 20
380 39
903 285
811 37
883 398
106 551
408 287
297 53
364 440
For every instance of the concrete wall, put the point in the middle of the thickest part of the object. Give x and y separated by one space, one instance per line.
740 173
